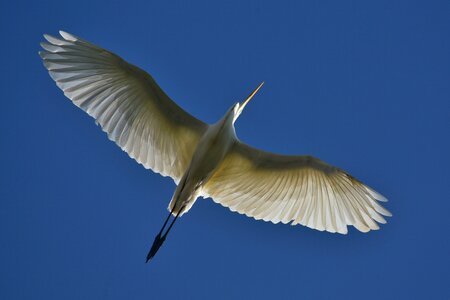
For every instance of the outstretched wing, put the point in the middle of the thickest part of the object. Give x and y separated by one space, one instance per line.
301 189
127 103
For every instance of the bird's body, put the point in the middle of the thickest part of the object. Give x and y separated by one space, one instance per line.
211 150
205 160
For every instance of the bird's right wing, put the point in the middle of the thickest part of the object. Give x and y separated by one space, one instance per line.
127 103
297 189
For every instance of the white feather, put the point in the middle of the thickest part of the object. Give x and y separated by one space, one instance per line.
126 102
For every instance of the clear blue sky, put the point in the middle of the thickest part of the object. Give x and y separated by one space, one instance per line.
364 86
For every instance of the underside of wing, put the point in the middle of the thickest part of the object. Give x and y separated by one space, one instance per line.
126 102
298 189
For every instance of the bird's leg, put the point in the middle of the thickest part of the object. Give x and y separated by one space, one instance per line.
159 240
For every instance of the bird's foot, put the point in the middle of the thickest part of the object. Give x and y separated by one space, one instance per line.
157 243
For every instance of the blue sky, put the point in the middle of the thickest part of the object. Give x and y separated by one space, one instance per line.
364 85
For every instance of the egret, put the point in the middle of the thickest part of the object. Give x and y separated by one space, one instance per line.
205 160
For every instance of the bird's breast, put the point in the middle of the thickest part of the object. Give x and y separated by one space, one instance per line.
210 152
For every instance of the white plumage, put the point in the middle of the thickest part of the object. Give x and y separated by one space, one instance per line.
126 102
205 160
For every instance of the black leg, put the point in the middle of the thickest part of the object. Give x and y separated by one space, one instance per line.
159 240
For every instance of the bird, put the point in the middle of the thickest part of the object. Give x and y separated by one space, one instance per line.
205 160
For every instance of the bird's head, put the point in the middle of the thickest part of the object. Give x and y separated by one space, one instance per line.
239 107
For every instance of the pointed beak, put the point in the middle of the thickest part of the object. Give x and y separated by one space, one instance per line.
243 104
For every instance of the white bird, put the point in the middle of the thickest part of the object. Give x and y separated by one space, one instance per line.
205 160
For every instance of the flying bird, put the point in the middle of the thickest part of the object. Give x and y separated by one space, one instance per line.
205 160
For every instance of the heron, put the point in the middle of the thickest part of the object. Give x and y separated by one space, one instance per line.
205 160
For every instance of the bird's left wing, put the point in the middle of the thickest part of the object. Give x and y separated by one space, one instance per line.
297 189
127 103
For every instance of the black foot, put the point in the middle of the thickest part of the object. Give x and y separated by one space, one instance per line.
157 243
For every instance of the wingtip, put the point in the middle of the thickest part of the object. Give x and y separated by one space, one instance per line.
46 46
68 36
374 194
388 214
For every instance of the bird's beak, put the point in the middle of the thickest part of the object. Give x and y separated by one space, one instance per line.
243 104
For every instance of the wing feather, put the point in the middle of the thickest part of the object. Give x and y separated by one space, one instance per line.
297 189
126 102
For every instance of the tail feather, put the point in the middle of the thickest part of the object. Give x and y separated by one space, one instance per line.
180 208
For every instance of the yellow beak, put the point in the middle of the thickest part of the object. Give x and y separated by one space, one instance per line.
243 104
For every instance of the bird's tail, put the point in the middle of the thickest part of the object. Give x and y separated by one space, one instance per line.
178 207
183 198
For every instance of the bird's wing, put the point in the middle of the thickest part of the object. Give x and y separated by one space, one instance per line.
301 189
127 103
